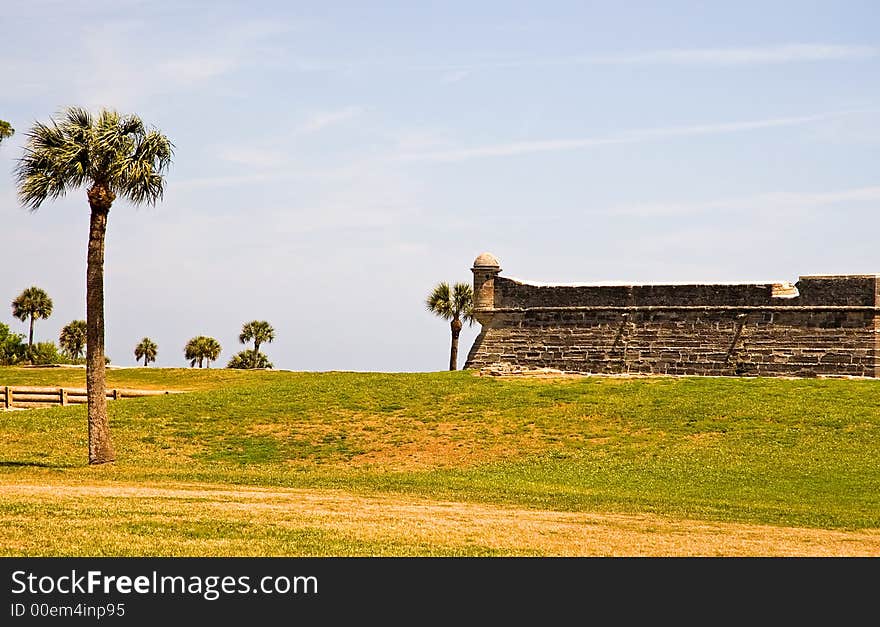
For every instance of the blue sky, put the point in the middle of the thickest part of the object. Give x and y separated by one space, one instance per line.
335 160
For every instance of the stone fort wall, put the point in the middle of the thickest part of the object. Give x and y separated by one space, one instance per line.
822 325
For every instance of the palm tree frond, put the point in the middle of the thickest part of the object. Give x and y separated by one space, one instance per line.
6 130
48 166
259 331
32 302
451 303
463 300
131 125
439 301
78 117
140 177
146 349
202 347
248 359
79 149
73 338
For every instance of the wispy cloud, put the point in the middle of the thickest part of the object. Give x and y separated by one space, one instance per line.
698 57
324 119
105 65
509 149
790 53
776 203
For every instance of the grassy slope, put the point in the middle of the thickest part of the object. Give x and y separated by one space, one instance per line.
791 452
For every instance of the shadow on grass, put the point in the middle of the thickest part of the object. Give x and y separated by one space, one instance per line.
11 464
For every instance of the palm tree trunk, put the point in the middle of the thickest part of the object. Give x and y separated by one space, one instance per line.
453 353
145 361
100 446
31 335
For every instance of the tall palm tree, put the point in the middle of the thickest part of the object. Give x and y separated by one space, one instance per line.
6 130
202 349
32 303
455 305
258 331
73 338
113 155
146 350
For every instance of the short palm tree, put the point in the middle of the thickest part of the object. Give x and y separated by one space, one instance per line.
6 130
31 304
73 338
249 359
112 155
455 305
202 349
257 331
146 350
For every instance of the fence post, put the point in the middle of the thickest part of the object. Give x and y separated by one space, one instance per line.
63 397
115 395
8 401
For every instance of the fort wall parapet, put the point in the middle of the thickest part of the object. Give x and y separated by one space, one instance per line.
820 325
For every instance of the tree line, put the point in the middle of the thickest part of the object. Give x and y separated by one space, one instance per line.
202 350
31 305
35 304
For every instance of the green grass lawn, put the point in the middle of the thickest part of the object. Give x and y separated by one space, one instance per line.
785 452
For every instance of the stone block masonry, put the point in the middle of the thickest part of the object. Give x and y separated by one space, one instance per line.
822 325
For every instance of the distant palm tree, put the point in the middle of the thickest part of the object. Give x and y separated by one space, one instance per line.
113 155
248 359
73 338
32 303
455 305
258 331
146 350
6 130
202 349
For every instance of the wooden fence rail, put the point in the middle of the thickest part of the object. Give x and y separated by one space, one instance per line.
16 396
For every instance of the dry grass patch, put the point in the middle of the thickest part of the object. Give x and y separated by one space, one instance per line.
192 519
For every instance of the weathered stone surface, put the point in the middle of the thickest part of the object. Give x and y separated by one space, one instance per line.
822 326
